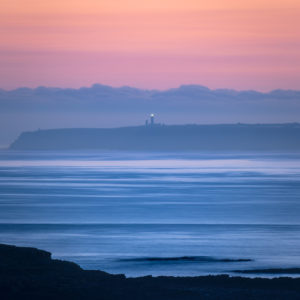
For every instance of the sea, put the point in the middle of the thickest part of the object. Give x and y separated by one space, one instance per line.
158 213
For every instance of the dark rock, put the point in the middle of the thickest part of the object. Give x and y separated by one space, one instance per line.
28 273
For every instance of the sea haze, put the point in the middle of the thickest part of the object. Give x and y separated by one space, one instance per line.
26 109
154 213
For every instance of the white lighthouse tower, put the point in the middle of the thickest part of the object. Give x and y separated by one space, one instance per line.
152 119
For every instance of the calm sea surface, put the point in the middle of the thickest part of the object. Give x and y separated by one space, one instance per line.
154 213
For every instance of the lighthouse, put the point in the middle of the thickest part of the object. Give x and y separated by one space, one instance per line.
152 119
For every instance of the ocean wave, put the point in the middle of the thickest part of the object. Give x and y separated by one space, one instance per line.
270 271
185 258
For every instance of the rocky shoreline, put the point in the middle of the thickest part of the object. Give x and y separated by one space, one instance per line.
29 273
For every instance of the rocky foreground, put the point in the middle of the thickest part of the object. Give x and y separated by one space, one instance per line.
29 273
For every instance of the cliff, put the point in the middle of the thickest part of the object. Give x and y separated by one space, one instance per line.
236 137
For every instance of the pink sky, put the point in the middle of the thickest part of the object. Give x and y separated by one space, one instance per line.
150 43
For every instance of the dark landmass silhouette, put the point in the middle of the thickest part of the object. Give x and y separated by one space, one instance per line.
228 137
29 273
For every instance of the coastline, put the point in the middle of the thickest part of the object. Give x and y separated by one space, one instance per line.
30 273
158 137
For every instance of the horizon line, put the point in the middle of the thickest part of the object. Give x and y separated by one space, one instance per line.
163 124
145 89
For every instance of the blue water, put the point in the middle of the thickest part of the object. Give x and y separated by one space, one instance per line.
126 212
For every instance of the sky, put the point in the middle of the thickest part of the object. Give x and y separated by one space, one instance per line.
246 44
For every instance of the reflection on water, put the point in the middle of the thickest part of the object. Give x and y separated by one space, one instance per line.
114 211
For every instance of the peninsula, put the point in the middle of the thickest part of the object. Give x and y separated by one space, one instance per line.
156 137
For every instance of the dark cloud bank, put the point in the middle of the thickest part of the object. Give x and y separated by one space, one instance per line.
26 109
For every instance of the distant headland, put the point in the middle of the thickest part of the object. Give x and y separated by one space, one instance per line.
157 137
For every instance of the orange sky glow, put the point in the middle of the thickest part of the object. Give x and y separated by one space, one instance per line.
150 44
